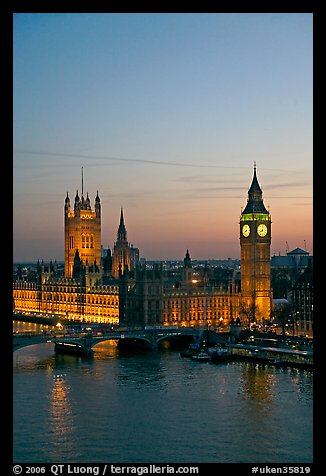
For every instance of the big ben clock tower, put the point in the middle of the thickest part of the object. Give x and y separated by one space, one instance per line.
255 242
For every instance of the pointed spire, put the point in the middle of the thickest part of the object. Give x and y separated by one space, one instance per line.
254 187
88 202
78 265
97 205
122 232
67 205
121 218
187 260
255 197
77 204
82 181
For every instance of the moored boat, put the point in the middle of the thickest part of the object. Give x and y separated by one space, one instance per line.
75 348
276 362
192 350
219 354
201 356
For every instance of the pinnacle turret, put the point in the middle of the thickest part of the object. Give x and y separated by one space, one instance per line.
255 202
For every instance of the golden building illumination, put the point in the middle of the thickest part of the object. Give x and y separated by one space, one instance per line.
69 299
82 228
255 242
123 291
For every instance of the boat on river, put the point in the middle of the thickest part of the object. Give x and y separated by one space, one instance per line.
219 354
70 347
192 350
201 356
276 362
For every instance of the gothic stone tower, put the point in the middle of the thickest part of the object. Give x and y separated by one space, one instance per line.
255 242
121 250
187 273
82 232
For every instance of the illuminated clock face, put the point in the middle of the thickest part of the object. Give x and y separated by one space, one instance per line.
246 230
262 230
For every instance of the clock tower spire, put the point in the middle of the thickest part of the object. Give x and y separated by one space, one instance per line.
255 242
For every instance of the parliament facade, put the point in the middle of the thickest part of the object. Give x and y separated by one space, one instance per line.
119 289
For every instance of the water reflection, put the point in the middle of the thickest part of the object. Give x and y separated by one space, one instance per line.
106 350
141 369
257 383
303 383
157 406
34 356
61 419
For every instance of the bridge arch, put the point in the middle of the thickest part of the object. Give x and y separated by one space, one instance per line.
148 339
126 340
21 341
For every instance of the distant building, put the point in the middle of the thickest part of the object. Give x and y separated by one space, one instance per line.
302 302
292 281
297 259
286 269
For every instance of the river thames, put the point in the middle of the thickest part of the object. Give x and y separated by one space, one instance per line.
156 407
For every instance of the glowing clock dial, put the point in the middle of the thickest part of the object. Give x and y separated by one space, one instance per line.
262 230
246 230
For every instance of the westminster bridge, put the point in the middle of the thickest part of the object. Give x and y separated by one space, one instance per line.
148 338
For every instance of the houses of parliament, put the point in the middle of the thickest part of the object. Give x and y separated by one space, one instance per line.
118 288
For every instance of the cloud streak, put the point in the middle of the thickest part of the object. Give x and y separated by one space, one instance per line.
123 159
